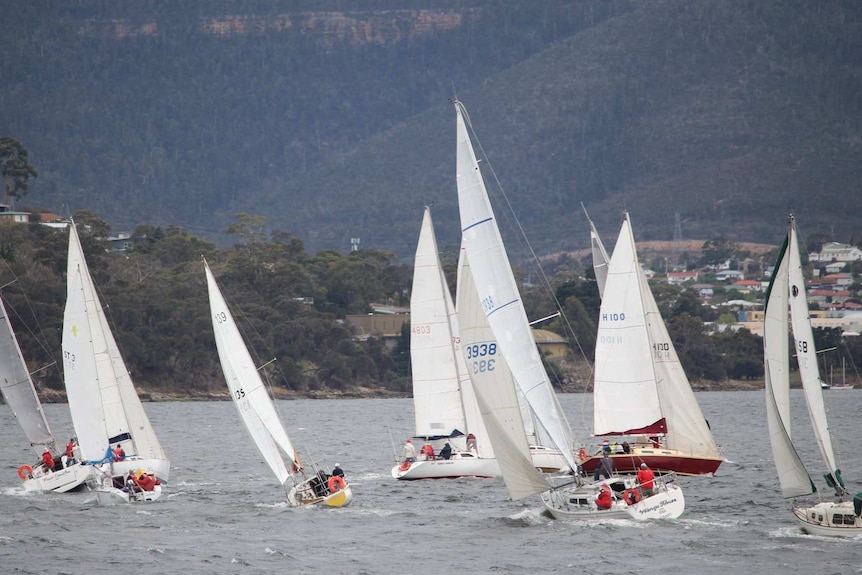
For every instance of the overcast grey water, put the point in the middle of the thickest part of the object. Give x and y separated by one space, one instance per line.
224 512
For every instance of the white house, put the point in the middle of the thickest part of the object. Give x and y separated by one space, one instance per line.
837 252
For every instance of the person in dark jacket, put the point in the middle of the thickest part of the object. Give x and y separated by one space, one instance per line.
337 471
446 452
605 468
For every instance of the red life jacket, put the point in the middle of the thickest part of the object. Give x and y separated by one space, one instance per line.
604 500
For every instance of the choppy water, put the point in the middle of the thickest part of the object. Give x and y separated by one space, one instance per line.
225 513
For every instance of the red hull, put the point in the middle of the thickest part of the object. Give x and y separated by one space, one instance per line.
682 464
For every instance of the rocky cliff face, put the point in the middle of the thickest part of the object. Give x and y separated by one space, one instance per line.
327 28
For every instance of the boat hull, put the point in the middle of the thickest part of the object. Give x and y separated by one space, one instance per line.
829 519
578 502
446 469
114 496
304 494
161 468
72 478
657 459
547 460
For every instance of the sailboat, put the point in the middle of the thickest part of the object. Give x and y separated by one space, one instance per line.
494 296
106 410
257 411
641 390
20 395
837 517
444 404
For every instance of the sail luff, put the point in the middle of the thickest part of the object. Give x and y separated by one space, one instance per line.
499 296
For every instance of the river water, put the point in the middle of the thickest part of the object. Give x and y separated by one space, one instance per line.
223 512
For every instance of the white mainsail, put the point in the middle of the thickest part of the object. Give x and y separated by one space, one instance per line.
600 257
806 354
252 400
102 398
495 391
792 476
19 392
499 296
436 377
640 385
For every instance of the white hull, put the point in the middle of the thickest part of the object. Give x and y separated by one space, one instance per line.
578 502
303 494
547 459
69 479
114 496
161 468
829 519
447 468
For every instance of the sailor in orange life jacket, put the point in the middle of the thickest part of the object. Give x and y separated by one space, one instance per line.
428 451
604 499
48 459
147 481
119 454
645 478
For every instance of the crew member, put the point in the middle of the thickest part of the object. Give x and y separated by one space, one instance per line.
645 478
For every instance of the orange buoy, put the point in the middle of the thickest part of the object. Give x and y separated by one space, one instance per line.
25 472
335 483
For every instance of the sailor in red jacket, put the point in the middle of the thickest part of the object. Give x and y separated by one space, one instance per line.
119 453
604 500
645 478
48 459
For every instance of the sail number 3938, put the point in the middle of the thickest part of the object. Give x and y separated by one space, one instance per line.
479 356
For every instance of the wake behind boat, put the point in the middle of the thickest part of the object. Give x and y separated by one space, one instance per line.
446 414
258 414
838 516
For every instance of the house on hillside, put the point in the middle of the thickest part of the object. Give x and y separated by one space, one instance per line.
834 251
837 281
678 278
729 275
9 215
747 286
703 291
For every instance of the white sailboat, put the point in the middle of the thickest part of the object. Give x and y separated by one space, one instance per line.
106 410
443 400
258 413
836 517
641 389
497 295
20 395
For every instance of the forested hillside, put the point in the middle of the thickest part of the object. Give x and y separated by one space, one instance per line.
332 117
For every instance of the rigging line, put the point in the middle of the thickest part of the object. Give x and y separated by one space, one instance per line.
40 337
509 215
